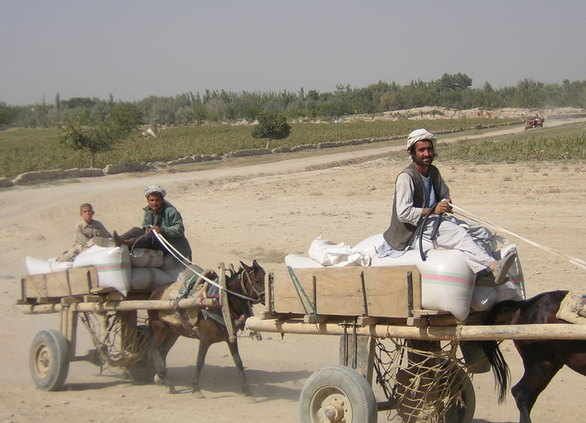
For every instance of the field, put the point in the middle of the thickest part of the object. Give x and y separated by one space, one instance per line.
554 144
23 150
264 211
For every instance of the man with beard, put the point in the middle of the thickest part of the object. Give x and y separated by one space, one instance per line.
421 198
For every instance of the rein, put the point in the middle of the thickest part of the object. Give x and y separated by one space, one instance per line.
199 272
574 260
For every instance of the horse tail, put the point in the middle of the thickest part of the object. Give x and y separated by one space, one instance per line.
500 368
501 313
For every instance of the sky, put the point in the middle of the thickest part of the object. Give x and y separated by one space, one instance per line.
136 48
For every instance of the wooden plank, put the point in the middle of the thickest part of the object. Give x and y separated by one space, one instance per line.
224 302
339 291
66 283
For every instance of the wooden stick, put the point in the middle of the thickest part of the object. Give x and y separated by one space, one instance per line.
111 306
463 333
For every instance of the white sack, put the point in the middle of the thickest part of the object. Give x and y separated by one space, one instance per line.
447 283
369 246
146 257
327 253
148 278
36 266
112 265
300 262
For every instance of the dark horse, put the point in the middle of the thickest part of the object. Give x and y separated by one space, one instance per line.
541 359
167 326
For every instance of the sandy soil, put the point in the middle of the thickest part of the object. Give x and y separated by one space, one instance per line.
265 211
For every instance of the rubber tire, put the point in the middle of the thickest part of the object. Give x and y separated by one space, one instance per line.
55 347
463 414
347 381
143 372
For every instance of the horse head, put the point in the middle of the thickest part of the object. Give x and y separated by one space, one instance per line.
253 281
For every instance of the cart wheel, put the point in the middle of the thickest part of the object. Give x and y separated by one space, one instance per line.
463 410
144 370
49 360
337 394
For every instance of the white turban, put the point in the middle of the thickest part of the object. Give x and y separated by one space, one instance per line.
154 188
419 135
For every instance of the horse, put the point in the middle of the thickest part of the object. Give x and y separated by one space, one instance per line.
541 359
167 326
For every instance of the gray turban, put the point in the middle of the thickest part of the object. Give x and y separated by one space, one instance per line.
151 189
419 135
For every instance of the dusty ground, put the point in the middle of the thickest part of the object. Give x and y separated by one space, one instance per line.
263 212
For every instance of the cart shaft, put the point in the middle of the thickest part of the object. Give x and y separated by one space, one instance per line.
460 332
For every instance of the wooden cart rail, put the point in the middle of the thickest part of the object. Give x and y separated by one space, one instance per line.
430 333
129 305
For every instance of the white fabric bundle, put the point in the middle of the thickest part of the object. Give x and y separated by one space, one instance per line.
36 266
327 253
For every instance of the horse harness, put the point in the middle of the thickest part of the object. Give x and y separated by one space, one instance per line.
210 302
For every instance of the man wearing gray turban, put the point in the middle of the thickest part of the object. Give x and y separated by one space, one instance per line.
421 197
159 216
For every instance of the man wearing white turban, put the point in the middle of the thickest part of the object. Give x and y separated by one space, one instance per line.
159 216
421 197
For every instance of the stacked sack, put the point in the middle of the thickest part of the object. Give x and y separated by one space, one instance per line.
151 269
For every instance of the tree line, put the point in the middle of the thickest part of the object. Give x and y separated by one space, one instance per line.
451 90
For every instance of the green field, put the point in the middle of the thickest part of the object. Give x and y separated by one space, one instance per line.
552 144
23 149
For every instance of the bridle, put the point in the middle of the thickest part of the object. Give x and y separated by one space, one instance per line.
248 285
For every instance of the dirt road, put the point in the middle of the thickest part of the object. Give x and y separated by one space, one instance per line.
265 211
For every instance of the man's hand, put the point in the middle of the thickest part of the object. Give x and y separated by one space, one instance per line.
442 207
156 229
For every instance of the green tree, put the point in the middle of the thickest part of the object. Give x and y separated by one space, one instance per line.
91 139
7 114
124 118
456 81
272 126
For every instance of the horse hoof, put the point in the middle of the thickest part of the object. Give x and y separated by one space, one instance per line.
249 398
158 380
198 394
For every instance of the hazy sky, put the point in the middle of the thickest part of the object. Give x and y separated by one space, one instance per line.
137 48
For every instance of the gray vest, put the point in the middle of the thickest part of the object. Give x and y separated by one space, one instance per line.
399 234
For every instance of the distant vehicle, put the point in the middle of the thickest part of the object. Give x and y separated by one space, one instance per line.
534 122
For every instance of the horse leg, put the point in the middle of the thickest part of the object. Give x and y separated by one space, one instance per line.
233 346
161 336
540 368
201 357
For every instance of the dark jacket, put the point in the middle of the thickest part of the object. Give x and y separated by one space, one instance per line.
171 223
400 234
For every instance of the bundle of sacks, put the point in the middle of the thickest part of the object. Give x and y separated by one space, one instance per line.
447 283
144 269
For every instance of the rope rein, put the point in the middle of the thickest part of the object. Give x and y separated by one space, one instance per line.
199 272
574 260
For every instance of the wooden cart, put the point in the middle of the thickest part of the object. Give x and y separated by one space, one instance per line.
113 322
422 360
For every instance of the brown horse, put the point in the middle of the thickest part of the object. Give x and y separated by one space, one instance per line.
541 359
167 326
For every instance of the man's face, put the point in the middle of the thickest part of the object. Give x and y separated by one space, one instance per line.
87 214
155 202
423 153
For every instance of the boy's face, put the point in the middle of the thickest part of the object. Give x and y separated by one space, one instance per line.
155 202
87 214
